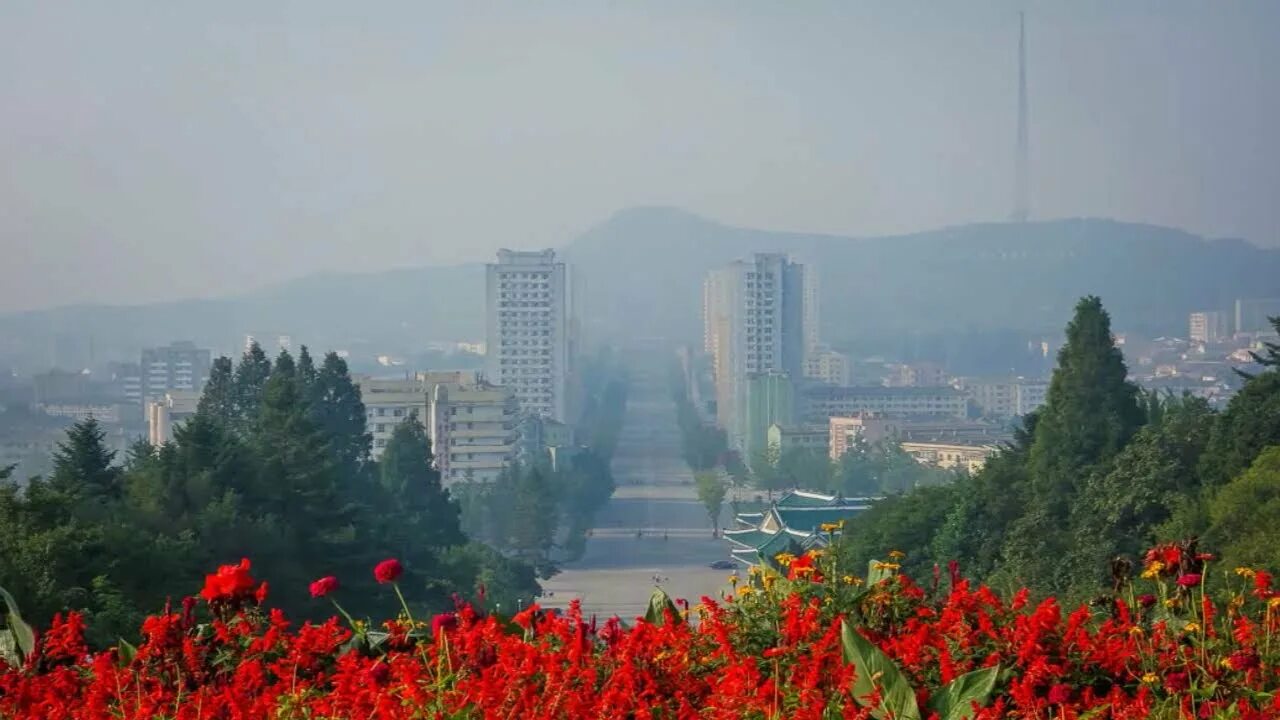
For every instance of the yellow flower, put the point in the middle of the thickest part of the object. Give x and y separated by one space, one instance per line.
1150 679
1191 627
1135 630
784 559
829 527
1245 572
848 579
897 554
1274 602
885 566
814 553
1153 570
754 570
733 579
745 590
769 580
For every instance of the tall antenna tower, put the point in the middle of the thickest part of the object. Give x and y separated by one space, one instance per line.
1021 199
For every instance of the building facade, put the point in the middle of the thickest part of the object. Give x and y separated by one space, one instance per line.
529 330
805 437
1252 314
754 321
169 411
821 402
770 400
1208 327
178 366
828 366
846 433
1005 397
968 457
473 430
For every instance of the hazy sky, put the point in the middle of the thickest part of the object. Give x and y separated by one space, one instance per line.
153 150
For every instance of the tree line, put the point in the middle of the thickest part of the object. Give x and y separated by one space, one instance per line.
540 513
274 466
1101 471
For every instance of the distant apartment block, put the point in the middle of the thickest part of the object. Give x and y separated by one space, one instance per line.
167 412
847 432
178 366
60 386
770 399
387 402
473 430
1253 314
529 329
754 321
78 412
1208 327
824 401
828 366
1005 397
126 382
782 440
921 374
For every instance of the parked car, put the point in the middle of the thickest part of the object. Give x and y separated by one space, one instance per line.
723 565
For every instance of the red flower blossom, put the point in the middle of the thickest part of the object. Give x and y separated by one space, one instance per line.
1147 600
1176 682
1189 580
1244 660
1059 694
232 583
388 571
260 595
443 622
324 586
524 618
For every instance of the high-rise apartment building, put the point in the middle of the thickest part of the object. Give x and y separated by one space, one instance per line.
178 366
529 331
754 321
1208 327
1253 314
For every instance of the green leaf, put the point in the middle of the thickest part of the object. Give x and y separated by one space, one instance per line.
23 637
126 651
659 603
876 573
876 670
955 701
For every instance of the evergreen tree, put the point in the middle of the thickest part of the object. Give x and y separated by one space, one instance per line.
407 476
1250 423
1270 357
82 464
220 392
306 373
250 384
339 411
1244 515
1090 412
534 520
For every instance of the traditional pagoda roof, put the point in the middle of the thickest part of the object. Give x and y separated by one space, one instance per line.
792 522
750 537
805 498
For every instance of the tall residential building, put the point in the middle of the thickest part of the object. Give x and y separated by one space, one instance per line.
1208 327
753 322
473 430
529 330
178 366
1253 314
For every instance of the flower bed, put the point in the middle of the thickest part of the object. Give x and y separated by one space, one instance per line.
804 641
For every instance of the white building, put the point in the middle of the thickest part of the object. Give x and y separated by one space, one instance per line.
169 411
178 366
829 366
387 402
1005 396
825 401
754 321
473 430
529 331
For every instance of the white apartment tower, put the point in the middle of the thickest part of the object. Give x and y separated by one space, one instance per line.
755 317
528 338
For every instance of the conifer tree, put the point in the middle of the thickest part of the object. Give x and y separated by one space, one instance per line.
413 486
340 413
82 464
219 397
250 384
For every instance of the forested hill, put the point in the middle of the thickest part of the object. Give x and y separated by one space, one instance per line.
645 266
643 271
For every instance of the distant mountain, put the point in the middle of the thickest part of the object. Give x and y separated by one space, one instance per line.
643 271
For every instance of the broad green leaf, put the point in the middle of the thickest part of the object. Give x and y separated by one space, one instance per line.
23 637
876 573
876 670
659 602
955 701
9 650
126 651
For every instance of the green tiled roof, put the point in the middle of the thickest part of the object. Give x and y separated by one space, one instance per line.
748 538
800 498
809 519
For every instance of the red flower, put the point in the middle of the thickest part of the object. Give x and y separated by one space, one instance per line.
1176 682
443 622
1147 600
324 586
379 673
1244 660
1189 580
260 595
1060 694
524 618
388 571
231 583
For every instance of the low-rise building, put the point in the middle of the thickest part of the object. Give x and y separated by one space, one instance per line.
805 437
920 374
828 366
388 401
845 433
1004 397
473 430
77 412
948 455
821 402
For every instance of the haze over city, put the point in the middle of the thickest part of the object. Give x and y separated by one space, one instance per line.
161 152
